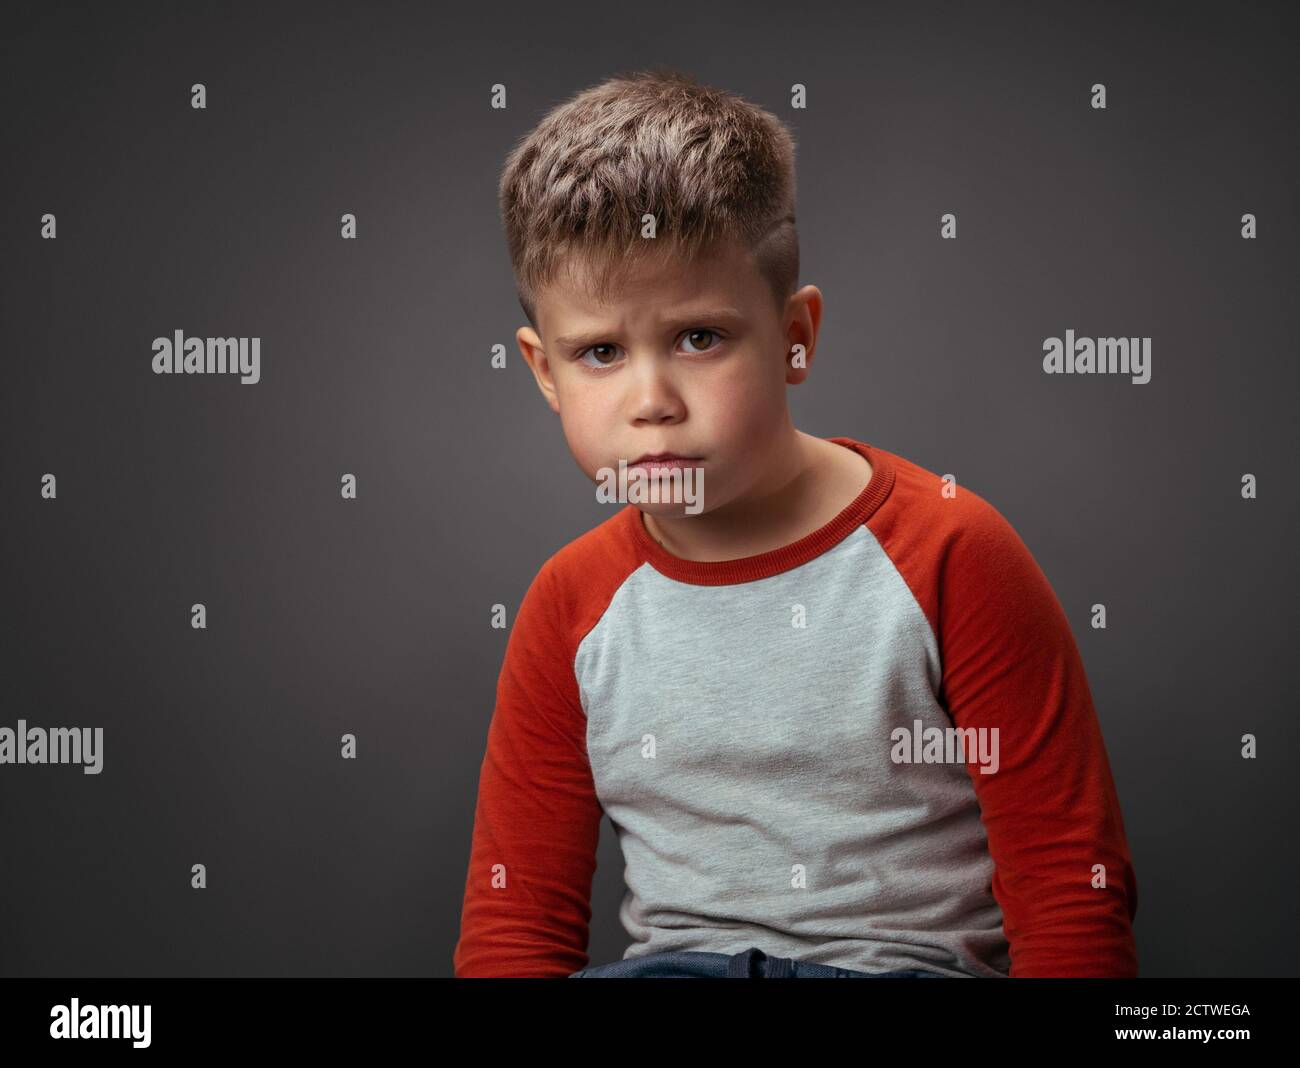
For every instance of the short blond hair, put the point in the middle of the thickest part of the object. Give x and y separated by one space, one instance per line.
710 166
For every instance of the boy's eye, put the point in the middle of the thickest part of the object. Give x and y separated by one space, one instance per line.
605 355
603 359
691 335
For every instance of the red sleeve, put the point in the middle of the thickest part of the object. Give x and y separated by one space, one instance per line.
1051 811
527 901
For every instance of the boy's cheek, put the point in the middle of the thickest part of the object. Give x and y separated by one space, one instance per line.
583 444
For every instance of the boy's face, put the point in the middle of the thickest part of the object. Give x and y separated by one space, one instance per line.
689 358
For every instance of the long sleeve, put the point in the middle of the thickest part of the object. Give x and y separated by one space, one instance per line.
1051 810
527 903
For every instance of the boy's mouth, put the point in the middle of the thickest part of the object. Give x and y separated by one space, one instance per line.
669 460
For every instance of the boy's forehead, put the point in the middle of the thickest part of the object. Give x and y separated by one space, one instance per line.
725 278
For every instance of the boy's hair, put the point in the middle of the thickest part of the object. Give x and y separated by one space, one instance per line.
710 166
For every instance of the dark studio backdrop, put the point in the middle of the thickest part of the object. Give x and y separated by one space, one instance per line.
327 616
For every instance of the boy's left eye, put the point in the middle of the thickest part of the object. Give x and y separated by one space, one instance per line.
696 333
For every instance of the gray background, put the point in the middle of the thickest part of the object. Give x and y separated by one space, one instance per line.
372 616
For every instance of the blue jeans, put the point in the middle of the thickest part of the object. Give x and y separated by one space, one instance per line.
751 963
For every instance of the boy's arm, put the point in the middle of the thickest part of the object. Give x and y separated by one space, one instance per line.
527 901
1050 810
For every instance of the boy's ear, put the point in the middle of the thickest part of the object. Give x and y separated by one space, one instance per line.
530 346
803 320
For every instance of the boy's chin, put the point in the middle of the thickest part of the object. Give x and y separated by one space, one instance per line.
669 511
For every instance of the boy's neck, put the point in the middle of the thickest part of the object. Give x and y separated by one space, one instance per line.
809 483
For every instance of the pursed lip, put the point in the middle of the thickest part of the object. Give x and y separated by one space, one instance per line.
661 457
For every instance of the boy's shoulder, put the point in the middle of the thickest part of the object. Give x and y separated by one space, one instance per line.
575 584
961 556
930 509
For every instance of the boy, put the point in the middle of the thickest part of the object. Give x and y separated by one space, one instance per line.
763 696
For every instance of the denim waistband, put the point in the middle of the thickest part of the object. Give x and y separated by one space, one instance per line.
751 963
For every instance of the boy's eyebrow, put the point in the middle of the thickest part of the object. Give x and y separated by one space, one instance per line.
675 326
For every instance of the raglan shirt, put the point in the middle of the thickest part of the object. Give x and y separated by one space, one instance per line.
738 721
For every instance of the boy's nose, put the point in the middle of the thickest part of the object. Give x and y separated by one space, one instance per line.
656 398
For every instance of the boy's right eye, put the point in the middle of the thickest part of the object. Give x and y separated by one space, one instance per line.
604 358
